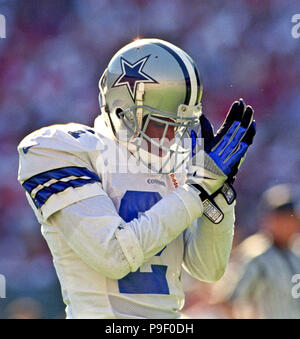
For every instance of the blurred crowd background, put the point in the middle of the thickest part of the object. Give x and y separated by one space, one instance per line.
50 64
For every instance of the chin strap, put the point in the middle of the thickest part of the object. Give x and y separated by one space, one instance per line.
139 101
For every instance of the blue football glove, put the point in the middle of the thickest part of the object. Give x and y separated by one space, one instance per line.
220 158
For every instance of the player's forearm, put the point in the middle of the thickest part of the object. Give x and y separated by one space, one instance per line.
115 248
164 222
208 245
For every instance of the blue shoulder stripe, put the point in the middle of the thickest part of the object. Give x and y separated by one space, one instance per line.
44 194
58 173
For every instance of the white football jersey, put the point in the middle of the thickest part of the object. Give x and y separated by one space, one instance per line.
118 234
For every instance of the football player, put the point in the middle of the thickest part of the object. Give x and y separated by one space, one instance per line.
119 218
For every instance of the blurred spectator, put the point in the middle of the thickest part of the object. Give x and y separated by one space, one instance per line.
24 308
199 301
269 261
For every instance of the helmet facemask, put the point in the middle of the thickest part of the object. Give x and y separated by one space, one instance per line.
161 155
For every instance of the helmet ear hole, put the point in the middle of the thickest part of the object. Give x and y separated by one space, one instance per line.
118 112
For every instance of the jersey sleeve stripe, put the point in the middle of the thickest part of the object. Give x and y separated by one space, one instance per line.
58 173
44 194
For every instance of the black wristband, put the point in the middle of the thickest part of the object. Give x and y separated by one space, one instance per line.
210 209
228 193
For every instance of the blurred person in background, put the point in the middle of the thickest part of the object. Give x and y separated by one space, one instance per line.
270 260
24 308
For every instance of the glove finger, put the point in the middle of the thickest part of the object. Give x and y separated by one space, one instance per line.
237 156
247 117
234 143
235 114
249 136
206 128
240 134
207 132
248 139
224 141
194 142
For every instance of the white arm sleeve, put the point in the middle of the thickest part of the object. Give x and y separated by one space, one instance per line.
208 245
95 231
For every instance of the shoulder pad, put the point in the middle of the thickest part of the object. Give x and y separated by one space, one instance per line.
56 146
69 137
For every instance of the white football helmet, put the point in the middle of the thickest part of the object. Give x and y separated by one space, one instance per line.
151 79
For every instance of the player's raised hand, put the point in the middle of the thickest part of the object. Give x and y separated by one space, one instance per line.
223 152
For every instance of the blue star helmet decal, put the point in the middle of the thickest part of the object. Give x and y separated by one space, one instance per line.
132 74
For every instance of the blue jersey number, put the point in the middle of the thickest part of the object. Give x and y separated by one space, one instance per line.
138 282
